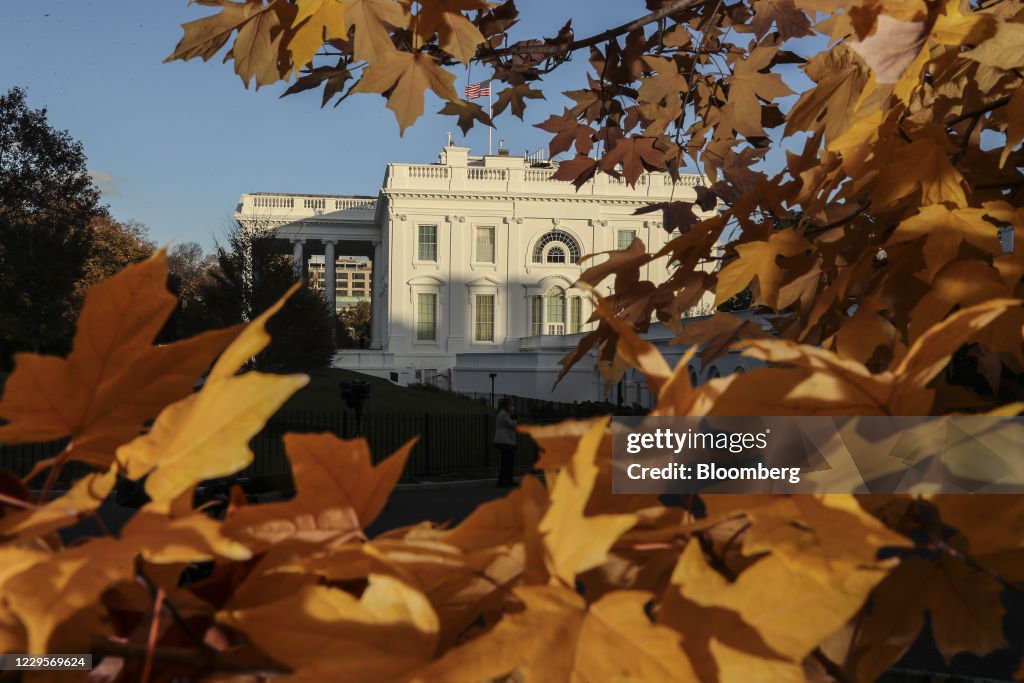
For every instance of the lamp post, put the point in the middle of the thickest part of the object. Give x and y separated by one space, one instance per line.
493 375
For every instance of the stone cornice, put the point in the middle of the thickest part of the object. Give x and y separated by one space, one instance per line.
562 199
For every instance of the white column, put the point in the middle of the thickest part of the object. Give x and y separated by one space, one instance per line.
297 259
330 289
377 303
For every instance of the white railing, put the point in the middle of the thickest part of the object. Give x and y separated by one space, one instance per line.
539 176
273 202
303 204
486 173
428 172
366 204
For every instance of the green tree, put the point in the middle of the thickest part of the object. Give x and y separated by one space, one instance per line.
47 203
249 275
354 325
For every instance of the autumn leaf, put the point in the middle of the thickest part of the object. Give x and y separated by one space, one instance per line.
1003 50
747 86
339 492
207 434
456 34
964 605
923 164
574 542
84 497
403 78
758 260
578 171
315 22
558 638
635 155
892 47
789 21
468 112
516 97
324 633
717 333
114 379
371 19
944 230
840 79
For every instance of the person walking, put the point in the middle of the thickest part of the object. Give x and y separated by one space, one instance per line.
505 437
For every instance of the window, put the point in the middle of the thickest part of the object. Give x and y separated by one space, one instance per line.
485 245
483 320
554 314
560 240
536 315
358 276
625 238
426 317
555 255
575 314
427 243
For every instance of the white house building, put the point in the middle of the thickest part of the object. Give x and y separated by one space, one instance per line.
474 262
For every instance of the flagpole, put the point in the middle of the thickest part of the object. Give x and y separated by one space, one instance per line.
490 129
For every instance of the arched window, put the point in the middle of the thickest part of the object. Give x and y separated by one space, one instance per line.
554 246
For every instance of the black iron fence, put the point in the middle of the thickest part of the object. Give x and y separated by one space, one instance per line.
450 446
539 410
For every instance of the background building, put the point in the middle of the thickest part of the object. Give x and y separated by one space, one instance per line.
474 264
352 277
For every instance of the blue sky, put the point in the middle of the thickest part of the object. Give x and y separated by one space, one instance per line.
174 145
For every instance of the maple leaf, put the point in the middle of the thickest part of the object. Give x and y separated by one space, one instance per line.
403 78
717 333
315 22
371 19
578 171
568 132
468 112
84 497
893 47
456 34
205 37
758 259
944 230
675 215
1003 50
516 97
324 633
113 380
923 164
573 541
778 626
964 605
747 85
557 637
339 491
635 154
207 434
789 21
840 79
1015 124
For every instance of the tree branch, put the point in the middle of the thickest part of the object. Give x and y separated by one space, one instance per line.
553 50
1001 102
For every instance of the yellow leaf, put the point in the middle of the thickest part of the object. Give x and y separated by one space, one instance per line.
405 77
944 229
573 541
1004 50
758 260
315 21
85 496
455 33
717 333
113 380
1014 124
922 165
324 633
339 491
371 19
966 613
207 435
556 638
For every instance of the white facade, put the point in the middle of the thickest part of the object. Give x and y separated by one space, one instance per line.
475 260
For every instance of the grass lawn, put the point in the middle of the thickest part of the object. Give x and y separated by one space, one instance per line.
323 395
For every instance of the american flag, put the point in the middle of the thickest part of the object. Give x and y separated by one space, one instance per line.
475 90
